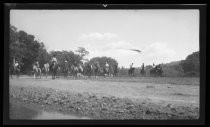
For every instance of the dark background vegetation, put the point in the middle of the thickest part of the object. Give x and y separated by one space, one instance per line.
26 49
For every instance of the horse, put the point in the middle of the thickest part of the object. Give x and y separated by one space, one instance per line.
88 70
106 71
96 69
131 71
37 71
54 69
80 70
115 70
74 70
65 70
142 72
45 69
111 71
15 70
156 71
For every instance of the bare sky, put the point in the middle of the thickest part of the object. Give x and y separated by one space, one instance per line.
161 35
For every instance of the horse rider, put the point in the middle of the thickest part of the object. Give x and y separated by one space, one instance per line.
46 67
37 64
65 62
75 63
80 67
131 66
107 65
142 66
153 65
159 66
97 64
16 63
54 59
66 65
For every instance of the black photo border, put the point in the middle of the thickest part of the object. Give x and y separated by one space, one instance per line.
202 41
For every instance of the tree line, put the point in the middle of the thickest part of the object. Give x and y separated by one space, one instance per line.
23 47
26 49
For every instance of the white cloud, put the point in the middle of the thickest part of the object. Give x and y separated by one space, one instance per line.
159 52
111 48
111 45
97 36
118 45
117 50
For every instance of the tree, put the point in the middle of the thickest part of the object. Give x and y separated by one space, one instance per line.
82 52
102 61
191 65
16 48
25 49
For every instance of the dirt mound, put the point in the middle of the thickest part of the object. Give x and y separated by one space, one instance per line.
99 106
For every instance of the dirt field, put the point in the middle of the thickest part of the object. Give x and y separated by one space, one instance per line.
114 98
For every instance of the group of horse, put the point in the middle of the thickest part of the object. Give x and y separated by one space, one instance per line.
14 70
53 68
75 70
81 70
89 70
155 71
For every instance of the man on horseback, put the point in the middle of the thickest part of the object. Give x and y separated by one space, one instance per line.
17 68
153 65
74 69
37 64
106 69
54 60
36 69
66 70
115 70
131 70
142 66
96 68
131 66
142 69
16 64
80 70
89 69
54 67
107 65
156 70
46 69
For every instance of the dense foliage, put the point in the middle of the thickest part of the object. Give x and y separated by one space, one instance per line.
26 49
102 61
191 65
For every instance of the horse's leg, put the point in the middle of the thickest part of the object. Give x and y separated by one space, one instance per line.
55 75
40 74
18 74
52 74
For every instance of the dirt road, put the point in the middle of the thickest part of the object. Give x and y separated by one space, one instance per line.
155 95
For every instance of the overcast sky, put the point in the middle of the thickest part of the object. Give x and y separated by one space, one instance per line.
162 36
